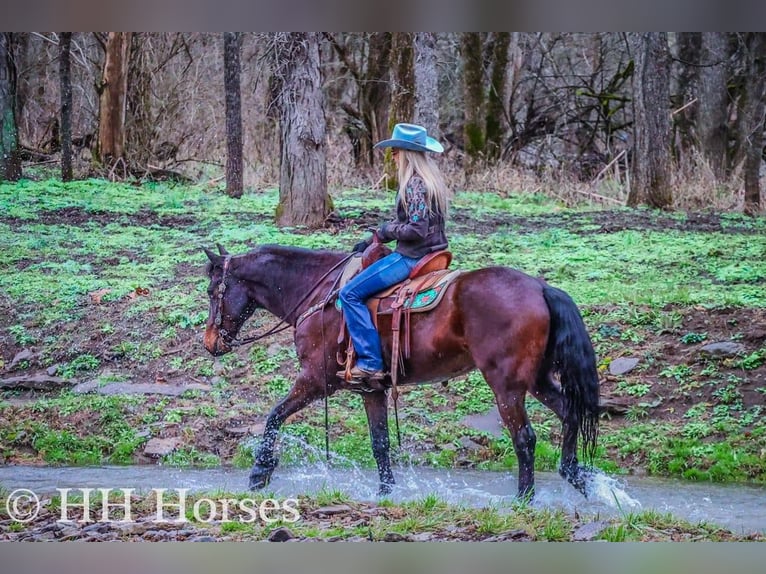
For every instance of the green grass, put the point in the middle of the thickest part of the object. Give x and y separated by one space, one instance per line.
631 285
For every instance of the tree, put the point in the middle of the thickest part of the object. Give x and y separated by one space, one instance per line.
112 99
426 83
10 159
65 81
689 48
303 198
367 59
495 121
231 66
754 122
712 120
473 98
651 96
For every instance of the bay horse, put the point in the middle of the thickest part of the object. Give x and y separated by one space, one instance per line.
517 330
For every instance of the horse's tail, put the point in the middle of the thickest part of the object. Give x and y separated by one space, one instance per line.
570 354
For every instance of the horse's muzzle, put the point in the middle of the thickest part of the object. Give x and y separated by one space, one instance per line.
214 342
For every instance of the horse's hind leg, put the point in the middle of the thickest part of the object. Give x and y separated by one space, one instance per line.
549 393
511 406
376 406
302 394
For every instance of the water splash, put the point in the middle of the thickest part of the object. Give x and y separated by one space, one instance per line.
610 491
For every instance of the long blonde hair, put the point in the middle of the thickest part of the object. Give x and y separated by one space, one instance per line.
419 163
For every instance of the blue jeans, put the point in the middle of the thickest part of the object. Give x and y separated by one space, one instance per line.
383 273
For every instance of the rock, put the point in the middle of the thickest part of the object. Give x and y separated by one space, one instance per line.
237 431
25 355
281 534
723 349
157 447
615 405
396 537
85 387
204 538
333 509
589 531
490 422
622 366
53 369
469 444
128 388
37 382
421 537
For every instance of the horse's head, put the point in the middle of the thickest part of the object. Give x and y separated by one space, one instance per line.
230 303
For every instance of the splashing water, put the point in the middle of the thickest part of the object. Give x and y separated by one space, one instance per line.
610 491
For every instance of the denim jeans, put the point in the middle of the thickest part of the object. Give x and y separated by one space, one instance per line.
383 273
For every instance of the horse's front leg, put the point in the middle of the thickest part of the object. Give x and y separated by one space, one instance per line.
304 392
376 405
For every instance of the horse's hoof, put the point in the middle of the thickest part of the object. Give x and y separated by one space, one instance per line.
260 475
577 476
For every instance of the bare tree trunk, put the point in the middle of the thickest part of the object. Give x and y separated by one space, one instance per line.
754 123
426 83
651 95
366 123
403 80
495 123
303 198
140 125
689 49
713 115
65 81
473 99
10 159
402 94
113 98
231 65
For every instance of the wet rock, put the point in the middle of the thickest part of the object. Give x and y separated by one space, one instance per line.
158 447
589 531
396 537
622 366
723 349
202 538
281 534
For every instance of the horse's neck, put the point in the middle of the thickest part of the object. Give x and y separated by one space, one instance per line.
286 277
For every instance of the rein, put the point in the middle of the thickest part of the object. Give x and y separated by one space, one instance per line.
279 327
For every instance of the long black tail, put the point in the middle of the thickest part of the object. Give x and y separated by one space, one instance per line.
570 354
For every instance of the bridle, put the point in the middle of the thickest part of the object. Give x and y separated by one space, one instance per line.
282 325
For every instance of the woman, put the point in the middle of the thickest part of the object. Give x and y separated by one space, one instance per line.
421 210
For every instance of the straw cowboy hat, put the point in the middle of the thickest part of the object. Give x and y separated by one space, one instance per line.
412 137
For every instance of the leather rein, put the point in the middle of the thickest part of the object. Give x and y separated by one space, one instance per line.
282 325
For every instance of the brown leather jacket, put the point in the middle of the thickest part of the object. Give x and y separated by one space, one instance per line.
419 233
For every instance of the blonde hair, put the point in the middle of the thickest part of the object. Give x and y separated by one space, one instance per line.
419 163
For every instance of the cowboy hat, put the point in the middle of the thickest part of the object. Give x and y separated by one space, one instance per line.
413 137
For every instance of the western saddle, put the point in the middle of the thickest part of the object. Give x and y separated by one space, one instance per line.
420 292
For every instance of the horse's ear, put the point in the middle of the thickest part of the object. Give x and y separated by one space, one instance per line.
221 250
214 259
